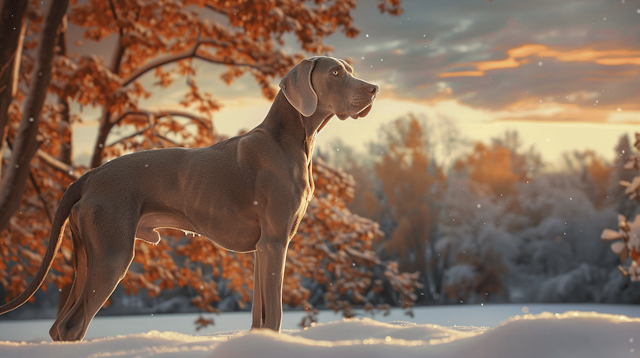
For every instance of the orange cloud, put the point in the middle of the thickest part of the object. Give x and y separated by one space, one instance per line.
495 65
527 50
619 61
517 57
462 74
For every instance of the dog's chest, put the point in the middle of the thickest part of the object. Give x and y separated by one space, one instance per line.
310 183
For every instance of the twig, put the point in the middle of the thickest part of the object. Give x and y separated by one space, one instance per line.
131 136
58 165
203 121
191 53
166 139
115 16
44 202
210 7
6 65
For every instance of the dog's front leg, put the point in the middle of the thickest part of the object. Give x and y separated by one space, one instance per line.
257 309
271 255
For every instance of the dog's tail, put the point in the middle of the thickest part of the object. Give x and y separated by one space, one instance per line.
69 199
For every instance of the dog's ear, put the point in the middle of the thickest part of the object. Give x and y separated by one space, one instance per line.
297 88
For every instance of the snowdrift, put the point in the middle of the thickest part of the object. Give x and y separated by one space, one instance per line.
571 334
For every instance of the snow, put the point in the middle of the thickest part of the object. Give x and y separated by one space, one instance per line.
453 331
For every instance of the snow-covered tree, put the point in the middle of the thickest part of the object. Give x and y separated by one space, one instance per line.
475 248
629 232
616 195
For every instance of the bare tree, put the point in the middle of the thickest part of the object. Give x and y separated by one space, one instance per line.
26 143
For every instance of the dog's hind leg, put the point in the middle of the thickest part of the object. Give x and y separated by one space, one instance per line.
109 252
80 268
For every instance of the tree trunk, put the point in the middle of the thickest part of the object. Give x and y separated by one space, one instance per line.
103 133
11 38
65 131
105 120
26 144
64 128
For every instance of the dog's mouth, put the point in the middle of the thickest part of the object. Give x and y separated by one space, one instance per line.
361 113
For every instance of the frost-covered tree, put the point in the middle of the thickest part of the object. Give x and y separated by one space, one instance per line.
615 193
557 262
474 248
513 237
629 248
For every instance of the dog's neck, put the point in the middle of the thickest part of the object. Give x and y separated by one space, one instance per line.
291 128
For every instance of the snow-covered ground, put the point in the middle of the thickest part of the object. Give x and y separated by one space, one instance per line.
463 331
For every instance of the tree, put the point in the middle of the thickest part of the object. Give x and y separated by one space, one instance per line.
474 247
160 40
616 196
12 31
524 164
492 167
365 201
26 144
594 174
599 173
502 165
629 232
411 185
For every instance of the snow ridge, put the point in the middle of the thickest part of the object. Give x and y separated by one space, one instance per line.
571 334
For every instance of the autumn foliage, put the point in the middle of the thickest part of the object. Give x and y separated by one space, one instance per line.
163 41
628 231
411 184
492 167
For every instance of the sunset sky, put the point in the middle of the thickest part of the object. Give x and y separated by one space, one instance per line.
565 74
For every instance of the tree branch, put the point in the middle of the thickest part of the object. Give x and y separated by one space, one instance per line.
203 121
115 15
230 63
166 139
58 165
160 62
130 136
44 202
6 65
200 120
190 53
221 12
126 114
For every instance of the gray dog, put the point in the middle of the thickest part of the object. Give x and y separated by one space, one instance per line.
246 193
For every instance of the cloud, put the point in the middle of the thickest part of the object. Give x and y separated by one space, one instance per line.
514 56
504 56
521 55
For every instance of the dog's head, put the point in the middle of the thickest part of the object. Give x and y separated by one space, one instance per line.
328 83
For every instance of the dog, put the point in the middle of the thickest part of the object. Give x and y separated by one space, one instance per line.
246 194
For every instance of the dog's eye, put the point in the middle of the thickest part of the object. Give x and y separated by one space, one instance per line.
335 73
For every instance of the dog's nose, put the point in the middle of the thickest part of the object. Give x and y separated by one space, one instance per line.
371 88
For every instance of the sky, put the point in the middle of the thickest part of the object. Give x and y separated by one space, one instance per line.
564 74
